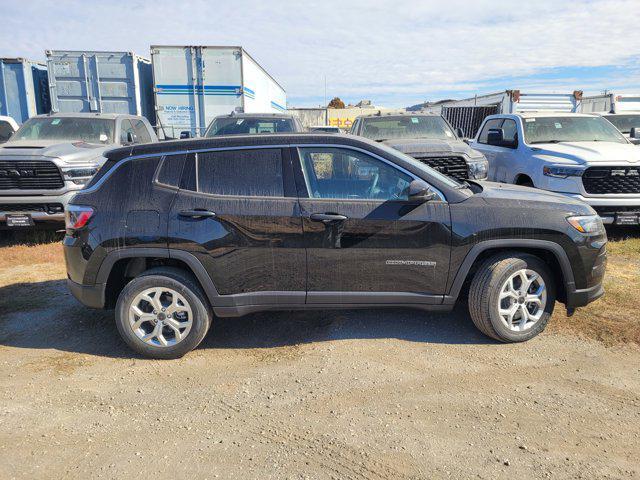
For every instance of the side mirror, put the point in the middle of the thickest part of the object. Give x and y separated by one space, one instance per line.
460 132
495 137
635 132
419 191
131 137
185 134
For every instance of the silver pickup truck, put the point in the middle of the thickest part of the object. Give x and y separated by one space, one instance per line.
51 157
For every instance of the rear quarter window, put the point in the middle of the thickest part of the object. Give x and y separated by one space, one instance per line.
170 170
249 173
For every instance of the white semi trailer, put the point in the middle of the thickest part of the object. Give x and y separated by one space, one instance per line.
195 84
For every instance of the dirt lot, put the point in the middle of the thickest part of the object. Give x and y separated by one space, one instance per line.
345 395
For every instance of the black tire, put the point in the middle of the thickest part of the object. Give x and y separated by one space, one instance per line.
485 290
183 283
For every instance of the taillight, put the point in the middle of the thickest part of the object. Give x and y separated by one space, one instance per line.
77 216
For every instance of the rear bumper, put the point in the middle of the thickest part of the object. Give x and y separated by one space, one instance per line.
92 296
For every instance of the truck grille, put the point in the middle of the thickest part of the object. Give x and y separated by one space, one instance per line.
603 180
29 175
455 167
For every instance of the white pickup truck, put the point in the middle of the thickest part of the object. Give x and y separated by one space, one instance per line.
582 156
51 157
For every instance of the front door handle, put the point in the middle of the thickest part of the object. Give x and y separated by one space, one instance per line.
197 213
327 217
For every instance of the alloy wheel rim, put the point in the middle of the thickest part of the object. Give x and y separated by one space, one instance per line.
522 300
160 317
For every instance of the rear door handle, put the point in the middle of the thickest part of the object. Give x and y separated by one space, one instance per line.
327 217
197 213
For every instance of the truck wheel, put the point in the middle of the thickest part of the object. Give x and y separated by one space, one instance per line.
163 313
511 297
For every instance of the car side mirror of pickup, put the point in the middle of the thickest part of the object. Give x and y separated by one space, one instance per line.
185 134
496 138
635 132
420 191
131 138
460 132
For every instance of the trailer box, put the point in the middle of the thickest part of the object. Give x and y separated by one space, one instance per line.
611 103
515 101
101 82
24 90
194 84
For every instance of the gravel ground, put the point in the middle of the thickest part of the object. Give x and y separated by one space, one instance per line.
347 395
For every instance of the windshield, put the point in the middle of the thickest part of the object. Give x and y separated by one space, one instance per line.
625 123
240 126
387 128
430 172
570 129
90 130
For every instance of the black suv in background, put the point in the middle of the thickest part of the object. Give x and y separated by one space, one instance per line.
428 138
171 234
253 123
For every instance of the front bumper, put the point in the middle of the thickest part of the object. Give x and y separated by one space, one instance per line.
580 298
93 296
39 217
609 207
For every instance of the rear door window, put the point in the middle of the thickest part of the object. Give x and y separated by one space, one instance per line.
248 173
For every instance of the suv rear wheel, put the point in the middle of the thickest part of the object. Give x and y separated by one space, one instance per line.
163 313
512 297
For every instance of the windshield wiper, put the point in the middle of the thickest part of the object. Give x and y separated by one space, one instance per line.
381 139
547 141
463 184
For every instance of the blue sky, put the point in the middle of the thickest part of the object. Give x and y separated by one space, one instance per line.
394 53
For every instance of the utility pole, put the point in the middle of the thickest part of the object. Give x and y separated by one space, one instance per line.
325 91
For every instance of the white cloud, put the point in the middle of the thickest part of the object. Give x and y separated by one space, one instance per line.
398 50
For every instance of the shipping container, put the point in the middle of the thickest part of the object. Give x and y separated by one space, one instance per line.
24 90
194 84
101 82
611 103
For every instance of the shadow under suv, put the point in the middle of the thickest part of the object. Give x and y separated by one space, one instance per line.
172 234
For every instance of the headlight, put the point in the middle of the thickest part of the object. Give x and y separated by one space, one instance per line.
587 223
562 172
80 176
478 169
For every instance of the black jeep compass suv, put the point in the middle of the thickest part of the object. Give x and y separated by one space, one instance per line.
172 234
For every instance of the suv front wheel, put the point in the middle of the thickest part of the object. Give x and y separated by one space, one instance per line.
512 297
163 313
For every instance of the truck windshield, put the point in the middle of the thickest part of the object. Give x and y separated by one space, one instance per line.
570 129
387 128
625 123
244 126
90 130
